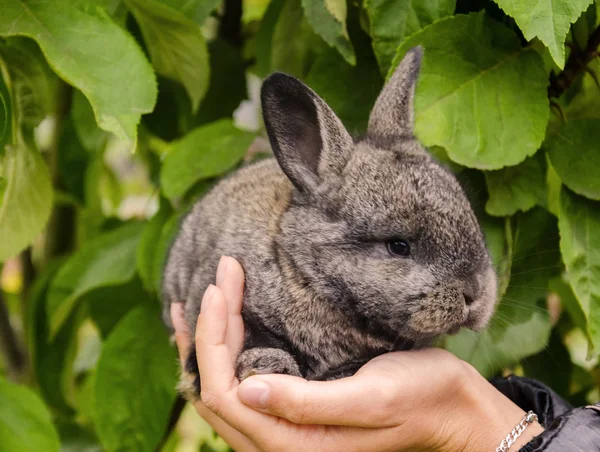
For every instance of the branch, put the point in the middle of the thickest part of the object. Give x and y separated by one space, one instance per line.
16 359
576 65
231 22
178 407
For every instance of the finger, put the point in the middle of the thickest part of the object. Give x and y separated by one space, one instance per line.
232 437
230 279
182 336
357 401
219 384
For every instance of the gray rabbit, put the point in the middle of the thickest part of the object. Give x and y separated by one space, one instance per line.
351 247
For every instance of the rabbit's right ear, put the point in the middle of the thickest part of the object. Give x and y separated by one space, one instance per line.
393 115
308 139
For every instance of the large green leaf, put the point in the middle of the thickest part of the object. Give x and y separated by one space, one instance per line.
573 151
205 152
31 79
521 325
328 19
176 45
579 223
517 187
135 383
548 20
25 206
87 49
264 37
25 423
391 21
480 95
107 260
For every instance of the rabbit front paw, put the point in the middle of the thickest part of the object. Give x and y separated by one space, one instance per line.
256 361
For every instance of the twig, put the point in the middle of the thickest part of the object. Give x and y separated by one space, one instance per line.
16 359
576 64
178 407
230 28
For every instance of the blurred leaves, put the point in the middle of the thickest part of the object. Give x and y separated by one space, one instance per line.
207 151
25 423
465 91
328 19
176 46
93 54
579 223
137 348
25 206
107 260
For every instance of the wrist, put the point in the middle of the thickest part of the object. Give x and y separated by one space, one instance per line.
488 416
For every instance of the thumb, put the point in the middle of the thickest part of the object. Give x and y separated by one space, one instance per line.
354 401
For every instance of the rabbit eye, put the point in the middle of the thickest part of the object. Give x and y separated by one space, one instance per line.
398 248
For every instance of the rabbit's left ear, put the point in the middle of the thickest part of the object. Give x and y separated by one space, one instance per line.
308 139
393 113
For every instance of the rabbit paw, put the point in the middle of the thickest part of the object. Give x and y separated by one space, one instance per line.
266 361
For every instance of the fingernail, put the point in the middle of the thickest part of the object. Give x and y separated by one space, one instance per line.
208 296
177 316
222 270
254 392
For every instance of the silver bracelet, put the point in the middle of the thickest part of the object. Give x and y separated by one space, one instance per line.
510 439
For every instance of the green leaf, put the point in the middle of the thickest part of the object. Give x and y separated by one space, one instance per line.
521 325
5 118
88 50
25 206
205 152
548 20
336 82
518 187
568 300
176 45
108 305
31 79
72 161
90 135
579 223
197 10
107 260
573 151
391 21
328 19
293 41
52 361
480 94
147 248
25 423
135 383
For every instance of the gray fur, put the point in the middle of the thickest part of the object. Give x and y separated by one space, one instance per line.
322 290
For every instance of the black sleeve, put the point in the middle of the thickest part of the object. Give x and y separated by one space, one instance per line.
567 428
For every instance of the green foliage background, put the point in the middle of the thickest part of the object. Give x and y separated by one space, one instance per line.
115 115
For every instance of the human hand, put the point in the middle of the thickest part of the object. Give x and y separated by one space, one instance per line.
418 400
